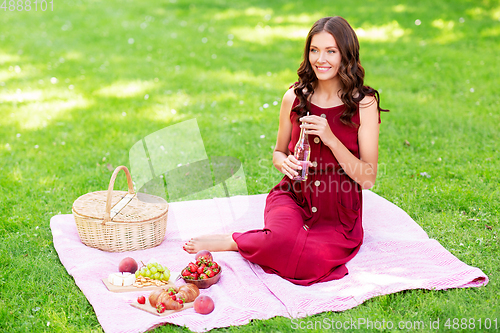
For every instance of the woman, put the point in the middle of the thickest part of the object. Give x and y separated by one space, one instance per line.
313 227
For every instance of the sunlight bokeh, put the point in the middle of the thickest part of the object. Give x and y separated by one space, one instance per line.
495 14
250 11
387 32
21 96
6 57
40 113
265 34
400 8
126 89
12 72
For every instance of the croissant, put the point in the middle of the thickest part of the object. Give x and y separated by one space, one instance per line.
170 304
153 297
188 292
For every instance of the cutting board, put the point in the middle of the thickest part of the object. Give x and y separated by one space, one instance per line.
148 308
120 289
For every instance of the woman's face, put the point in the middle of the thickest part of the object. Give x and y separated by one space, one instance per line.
324 56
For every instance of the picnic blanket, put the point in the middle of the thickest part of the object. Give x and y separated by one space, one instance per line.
396 255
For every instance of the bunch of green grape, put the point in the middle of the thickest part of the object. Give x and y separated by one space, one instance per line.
154 271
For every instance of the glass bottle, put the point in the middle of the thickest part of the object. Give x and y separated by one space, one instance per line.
302 153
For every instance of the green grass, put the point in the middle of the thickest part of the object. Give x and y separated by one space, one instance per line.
439 79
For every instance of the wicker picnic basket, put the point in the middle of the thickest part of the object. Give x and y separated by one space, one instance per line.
118 221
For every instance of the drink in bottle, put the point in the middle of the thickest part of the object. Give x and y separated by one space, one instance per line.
302 152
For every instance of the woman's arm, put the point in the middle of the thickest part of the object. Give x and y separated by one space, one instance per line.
282 160
362 170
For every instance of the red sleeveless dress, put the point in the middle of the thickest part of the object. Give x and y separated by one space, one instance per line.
313 227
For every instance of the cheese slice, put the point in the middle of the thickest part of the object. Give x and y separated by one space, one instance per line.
121 279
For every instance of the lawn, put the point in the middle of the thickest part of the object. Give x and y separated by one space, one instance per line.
82 81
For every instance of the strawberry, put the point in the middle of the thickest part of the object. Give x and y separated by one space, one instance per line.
215 270
173 297
195 275
186 272
201 268
210 273
214 265
141 300
203 276
161 308
192 267
180 301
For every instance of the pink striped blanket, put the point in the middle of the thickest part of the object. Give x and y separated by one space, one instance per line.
396 255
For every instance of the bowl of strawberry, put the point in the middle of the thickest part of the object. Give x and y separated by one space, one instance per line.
204 272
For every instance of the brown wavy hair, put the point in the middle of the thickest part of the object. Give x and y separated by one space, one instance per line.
351 72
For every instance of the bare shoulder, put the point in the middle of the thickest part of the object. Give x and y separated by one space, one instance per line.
368 109
288 100
368 102
289 96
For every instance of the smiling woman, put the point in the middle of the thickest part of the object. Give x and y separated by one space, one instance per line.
324 56
335 39
313 226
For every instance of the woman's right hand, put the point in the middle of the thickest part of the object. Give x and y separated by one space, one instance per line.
290 166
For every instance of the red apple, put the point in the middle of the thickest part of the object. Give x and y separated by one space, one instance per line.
127 265
204 304
205 254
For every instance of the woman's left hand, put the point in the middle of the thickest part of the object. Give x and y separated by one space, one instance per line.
318 126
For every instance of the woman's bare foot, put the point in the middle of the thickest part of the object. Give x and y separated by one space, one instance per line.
213 243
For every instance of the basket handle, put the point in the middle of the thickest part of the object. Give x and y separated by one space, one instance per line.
107 214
